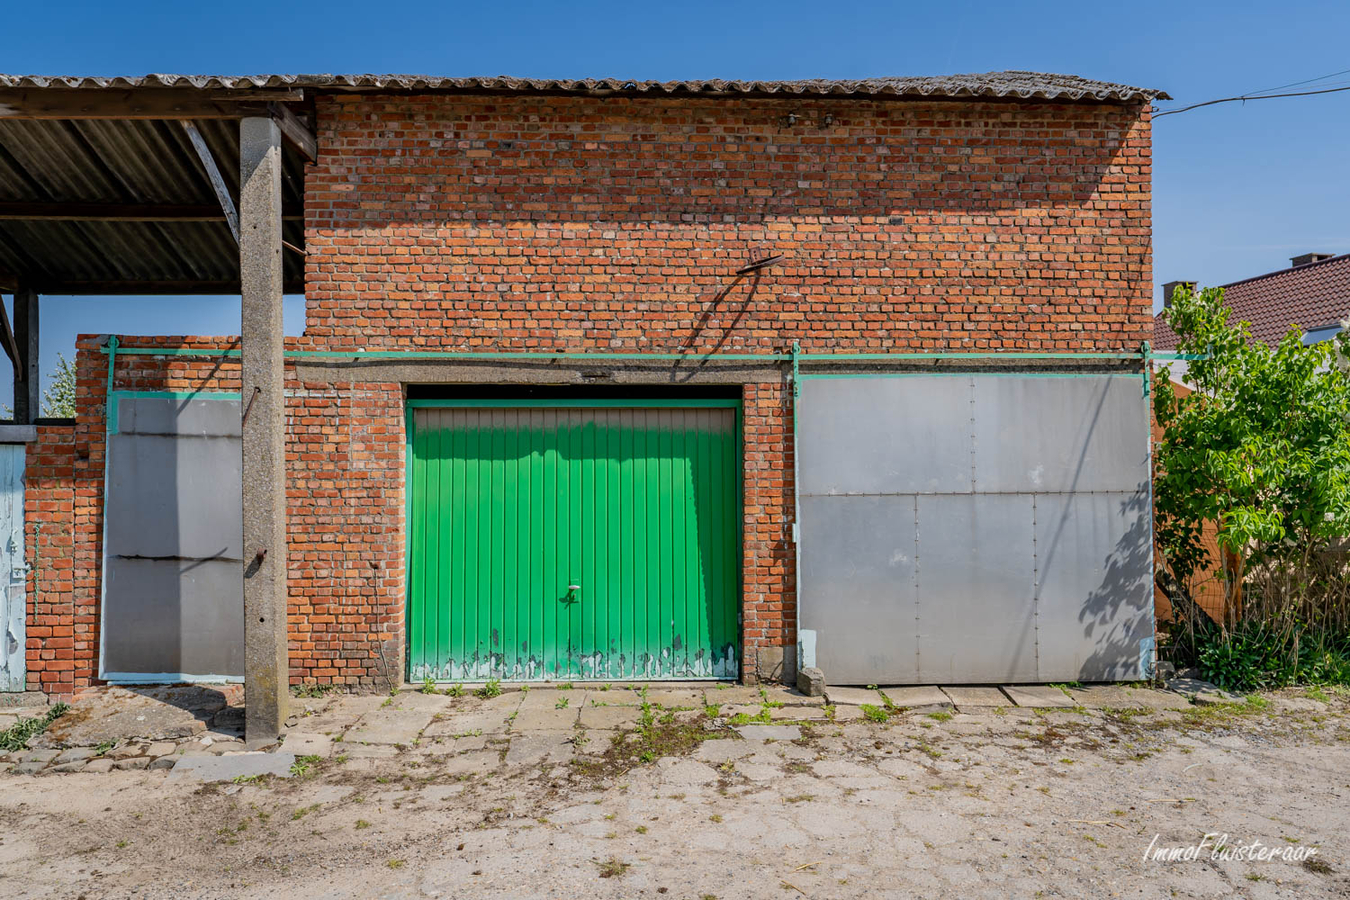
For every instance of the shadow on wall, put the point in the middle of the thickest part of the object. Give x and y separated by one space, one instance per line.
1118 614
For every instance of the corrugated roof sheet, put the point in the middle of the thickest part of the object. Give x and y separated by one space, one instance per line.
1308 296
1013 85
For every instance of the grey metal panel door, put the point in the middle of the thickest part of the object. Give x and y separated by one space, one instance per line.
974 528
173 605
14 574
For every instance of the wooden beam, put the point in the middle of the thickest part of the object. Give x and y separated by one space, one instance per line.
24 210
28 374
7 338
137 103
150 287
295 132
214 176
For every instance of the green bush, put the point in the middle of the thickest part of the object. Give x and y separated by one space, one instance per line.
1252 655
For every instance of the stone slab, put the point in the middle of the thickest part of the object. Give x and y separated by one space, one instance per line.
916 697
724 694
1201 692
530 749
609 716
669 699
770 732
472 763
389 726
304 743
232 766
852 696
484 721
1117 696
544 720
976 697
1038 696
119 715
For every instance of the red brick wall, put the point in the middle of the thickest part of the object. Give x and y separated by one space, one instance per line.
583 224
53 628
344 450
576 223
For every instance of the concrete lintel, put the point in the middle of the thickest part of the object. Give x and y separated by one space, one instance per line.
18 434
262 404
535 373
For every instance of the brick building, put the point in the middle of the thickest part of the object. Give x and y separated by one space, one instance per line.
494 267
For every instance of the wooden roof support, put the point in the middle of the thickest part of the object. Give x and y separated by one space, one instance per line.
295 132
141 103
11 348
30 211
213 175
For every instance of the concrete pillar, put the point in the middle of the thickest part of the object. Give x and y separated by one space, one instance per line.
28 374
266 663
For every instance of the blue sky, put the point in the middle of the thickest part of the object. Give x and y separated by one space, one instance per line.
1238 188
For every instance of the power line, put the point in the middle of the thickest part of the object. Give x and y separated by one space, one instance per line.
1245 97
1280 87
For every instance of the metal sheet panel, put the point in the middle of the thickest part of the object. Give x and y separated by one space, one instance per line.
1046 434
173 617
176 496
172 589
182 415
511 506
1094 555
977 615
861 576
869 435
13 570
1001 596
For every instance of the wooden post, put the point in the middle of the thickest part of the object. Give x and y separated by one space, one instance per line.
28 372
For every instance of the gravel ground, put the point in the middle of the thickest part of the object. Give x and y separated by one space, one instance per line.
997 802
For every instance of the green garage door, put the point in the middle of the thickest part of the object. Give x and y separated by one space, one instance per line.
573 540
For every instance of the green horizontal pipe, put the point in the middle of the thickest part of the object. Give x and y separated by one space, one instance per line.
576 403
573 355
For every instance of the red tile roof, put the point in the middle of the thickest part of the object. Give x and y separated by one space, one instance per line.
1308 296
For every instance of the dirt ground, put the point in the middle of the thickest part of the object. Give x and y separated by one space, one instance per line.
982 801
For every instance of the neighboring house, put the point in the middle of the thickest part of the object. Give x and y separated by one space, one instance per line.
599 379
1312 295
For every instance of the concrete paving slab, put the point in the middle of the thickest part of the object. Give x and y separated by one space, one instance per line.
769 732
482 721
609 716
121 714
774 693
1201 692
1120 696
852 696
232 766
303 743
793 713
531 749
366 751
614 697
547 698
670 699
725 694
389 726
1037 696
976 697
420 701
544 720
472 763
916 697
723 749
